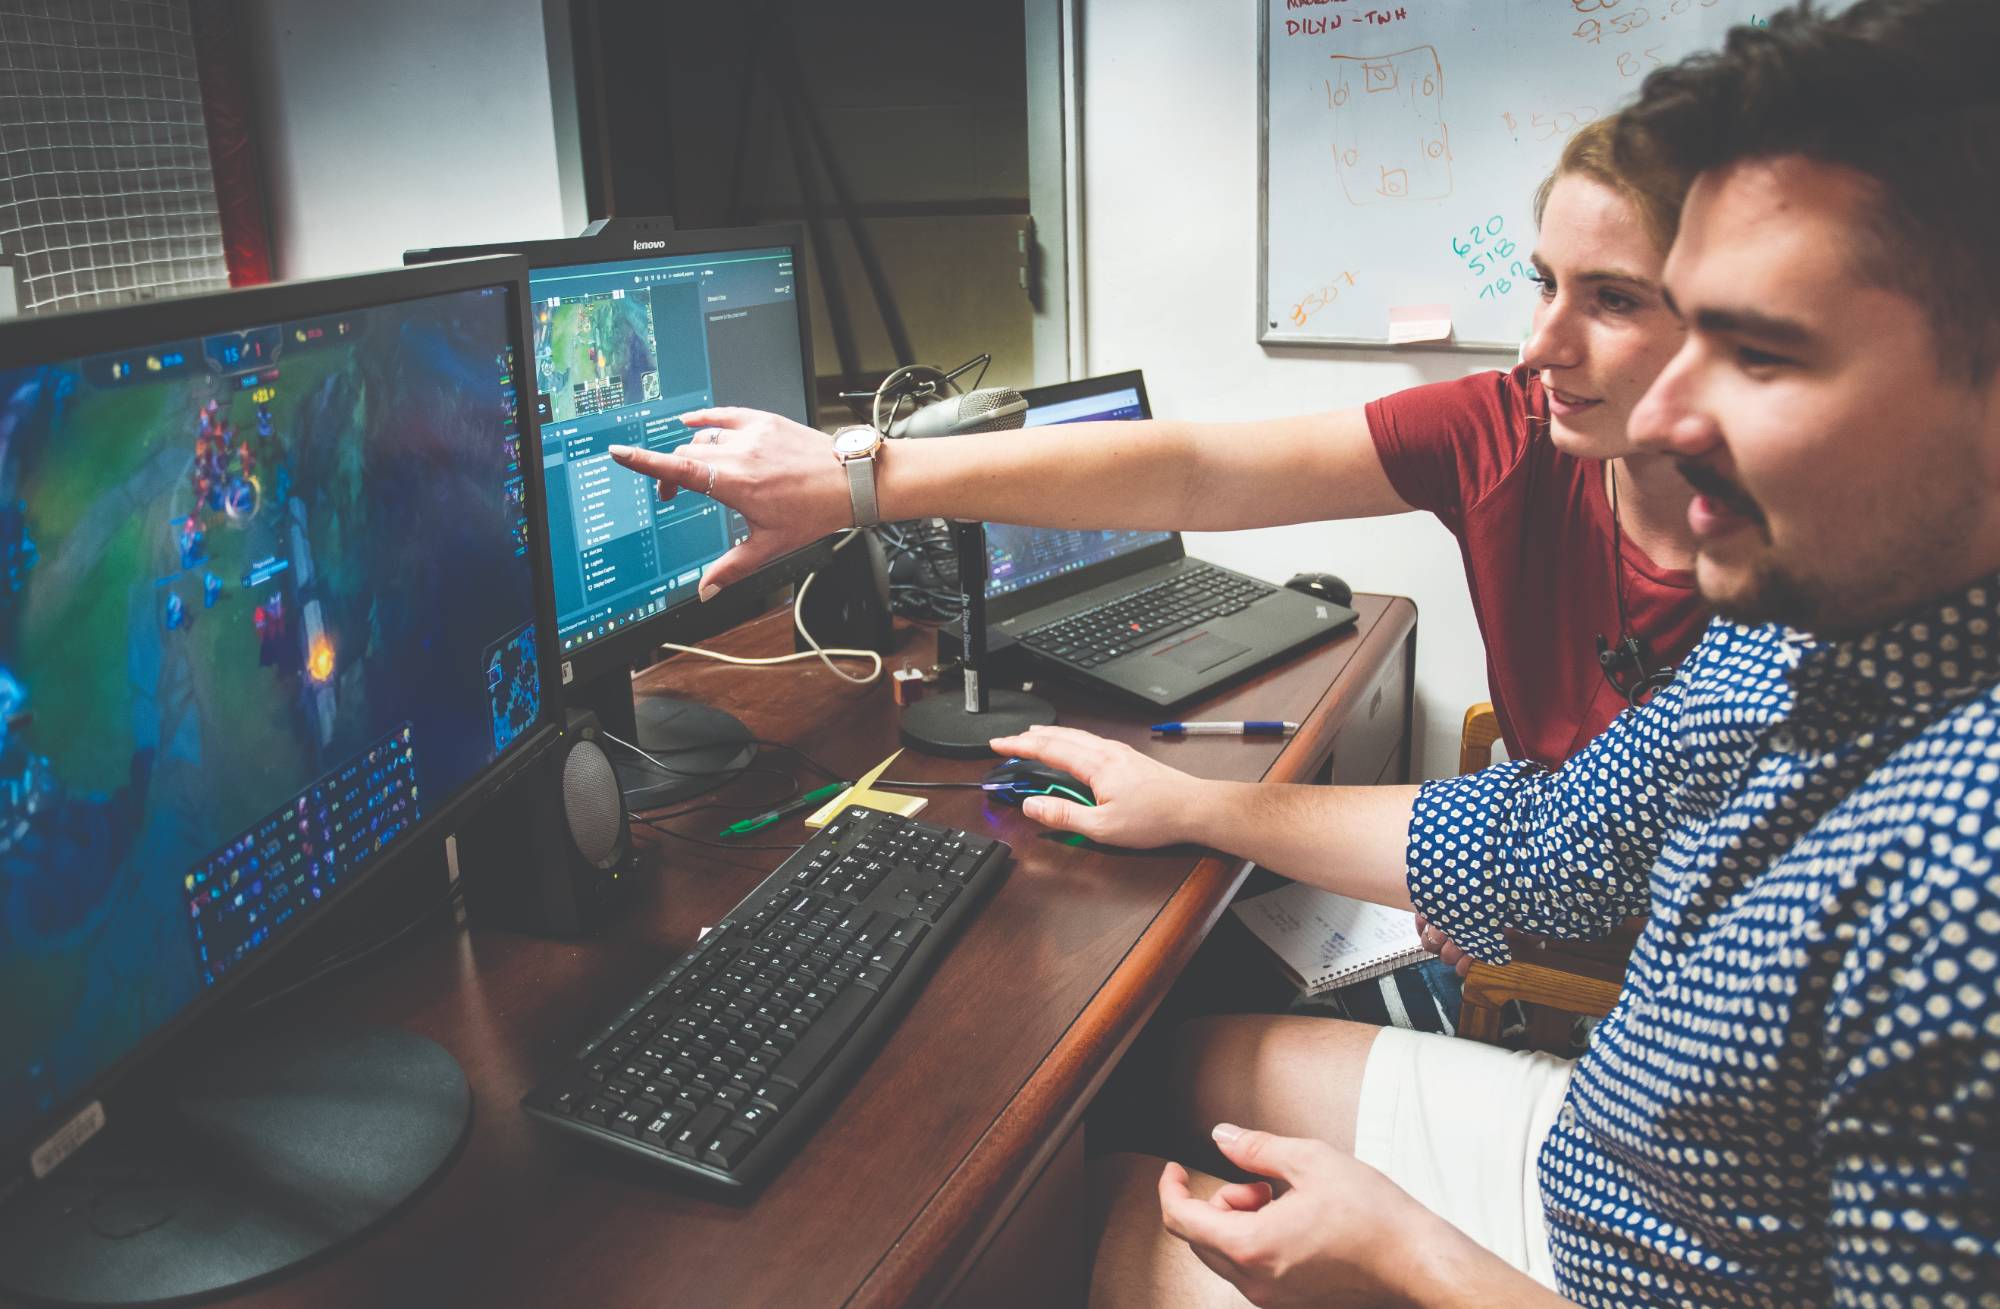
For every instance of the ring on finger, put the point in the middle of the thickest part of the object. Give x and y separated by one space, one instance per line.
709 490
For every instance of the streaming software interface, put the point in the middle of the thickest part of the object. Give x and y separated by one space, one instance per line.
621 351
265 602
1022 556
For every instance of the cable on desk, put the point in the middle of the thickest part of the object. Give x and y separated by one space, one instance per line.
815 650
354 954
726 774
664 830
760 742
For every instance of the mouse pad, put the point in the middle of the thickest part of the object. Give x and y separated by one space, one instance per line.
1201 652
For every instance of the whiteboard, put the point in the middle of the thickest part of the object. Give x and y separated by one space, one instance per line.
1401 143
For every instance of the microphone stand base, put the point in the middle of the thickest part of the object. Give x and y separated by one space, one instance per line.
939 724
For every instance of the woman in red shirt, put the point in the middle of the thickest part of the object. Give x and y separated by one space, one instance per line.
1523 467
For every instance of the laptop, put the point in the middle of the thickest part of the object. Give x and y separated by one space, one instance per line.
1129 612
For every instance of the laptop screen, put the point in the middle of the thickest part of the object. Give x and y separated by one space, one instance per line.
1020 557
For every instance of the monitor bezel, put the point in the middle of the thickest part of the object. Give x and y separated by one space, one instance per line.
691 621
28 342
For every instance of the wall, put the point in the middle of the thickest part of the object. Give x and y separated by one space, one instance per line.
388 125
1170 264
931 141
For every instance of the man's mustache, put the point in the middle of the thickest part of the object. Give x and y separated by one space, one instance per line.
1712 484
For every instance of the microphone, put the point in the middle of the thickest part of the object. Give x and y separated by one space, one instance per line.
995 409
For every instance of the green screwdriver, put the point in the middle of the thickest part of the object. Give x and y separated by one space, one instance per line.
792 806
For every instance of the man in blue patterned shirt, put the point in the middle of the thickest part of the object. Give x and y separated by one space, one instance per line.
1797 1099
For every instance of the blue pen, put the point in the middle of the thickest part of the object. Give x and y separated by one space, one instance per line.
1264 728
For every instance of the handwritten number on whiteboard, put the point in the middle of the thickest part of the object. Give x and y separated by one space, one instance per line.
1460 250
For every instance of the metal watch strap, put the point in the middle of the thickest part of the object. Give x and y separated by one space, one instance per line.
860 476
861 488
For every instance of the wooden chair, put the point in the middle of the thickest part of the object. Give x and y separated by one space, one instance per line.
1555 978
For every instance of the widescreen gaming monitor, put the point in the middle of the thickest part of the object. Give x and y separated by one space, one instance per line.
631 330
267 613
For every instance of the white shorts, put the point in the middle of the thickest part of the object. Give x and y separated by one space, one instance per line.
1458 1124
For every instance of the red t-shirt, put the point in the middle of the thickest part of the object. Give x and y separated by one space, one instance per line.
1534 527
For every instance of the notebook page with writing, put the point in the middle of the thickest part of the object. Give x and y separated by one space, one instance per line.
1323 940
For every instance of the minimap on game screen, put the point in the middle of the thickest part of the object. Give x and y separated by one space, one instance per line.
265 600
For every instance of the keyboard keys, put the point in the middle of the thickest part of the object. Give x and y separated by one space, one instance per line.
1116 627
736 1038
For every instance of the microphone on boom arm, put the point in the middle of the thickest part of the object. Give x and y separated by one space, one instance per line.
962 724
993 409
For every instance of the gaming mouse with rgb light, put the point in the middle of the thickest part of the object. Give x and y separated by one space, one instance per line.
1014 780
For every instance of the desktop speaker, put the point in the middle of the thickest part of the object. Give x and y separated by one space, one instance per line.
552 852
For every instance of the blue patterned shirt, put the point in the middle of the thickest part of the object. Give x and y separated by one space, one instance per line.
1797 1098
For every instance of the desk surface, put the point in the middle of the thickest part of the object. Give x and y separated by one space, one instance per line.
986 1074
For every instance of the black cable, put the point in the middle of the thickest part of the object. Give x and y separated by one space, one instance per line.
887 781
340 959
801 756
664 830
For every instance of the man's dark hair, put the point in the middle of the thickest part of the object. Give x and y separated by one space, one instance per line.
1906 92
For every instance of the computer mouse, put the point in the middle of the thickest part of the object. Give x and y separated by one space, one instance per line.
1014 780
1322 586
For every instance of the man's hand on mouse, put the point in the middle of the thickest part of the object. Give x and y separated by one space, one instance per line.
1140 801
780 475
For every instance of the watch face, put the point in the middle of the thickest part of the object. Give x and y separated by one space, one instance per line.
855 441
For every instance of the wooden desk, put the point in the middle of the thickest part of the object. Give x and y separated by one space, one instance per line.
968 1116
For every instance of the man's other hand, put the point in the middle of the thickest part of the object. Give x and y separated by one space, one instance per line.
1336 1237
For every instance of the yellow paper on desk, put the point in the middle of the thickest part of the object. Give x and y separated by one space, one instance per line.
863 793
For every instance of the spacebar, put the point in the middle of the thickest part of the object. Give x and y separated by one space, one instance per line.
827 1034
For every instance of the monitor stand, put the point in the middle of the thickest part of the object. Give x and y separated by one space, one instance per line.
282 1149
697 747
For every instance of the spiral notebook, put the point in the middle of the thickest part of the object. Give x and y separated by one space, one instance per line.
1323 940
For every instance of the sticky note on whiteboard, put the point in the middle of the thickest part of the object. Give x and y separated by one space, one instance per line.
1410 323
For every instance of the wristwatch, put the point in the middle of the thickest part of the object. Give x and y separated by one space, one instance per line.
857 448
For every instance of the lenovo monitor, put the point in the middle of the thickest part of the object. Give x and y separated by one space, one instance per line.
631 330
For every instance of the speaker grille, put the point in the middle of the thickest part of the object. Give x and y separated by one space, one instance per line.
593 804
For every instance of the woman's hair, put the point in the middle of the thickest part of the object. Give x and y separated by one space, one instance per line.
1657 198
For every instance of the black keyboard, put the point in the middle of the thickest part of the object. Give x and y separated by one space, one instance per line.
720 1067
1118 627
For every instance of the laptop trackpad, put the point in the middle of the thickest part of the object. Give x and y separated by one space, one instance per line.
1201 652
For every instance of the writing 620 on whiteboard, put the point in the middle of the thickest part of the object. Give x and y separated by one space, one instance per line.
1401 143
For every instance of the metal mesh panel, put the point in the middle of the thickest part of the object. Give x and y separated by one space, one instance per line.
105 189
